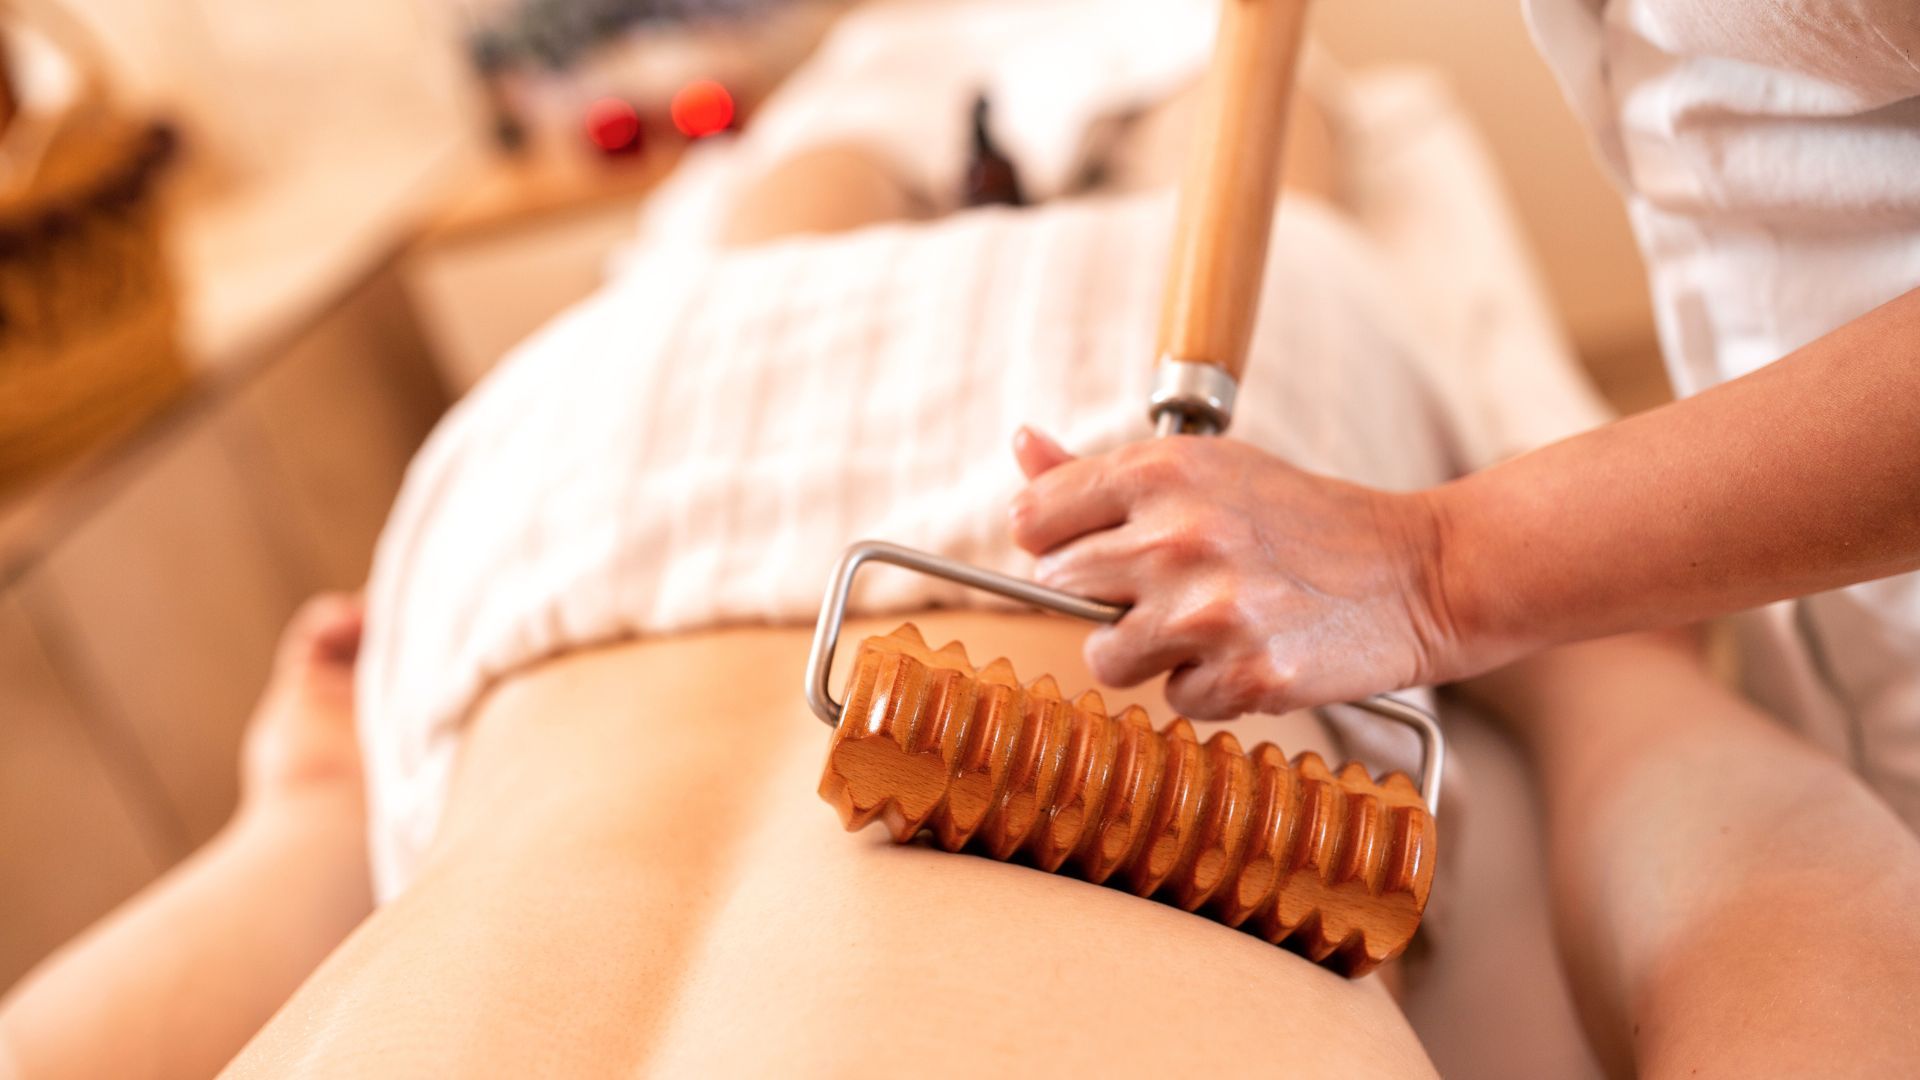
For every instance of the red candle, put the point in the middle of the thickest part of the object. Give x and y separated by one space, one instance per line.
613 125
702 108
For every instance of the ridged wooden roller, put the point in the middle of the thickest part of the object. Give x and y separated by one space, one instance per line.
1333 865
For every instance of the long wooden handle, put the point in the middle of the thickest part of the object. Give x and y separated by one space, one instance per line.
1228 192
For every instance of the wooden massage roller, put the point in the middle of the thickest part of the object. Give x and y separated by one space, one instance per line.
1335 865
1332 865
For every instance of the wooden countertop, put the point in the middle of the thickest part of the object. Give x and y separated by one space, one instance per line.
260 267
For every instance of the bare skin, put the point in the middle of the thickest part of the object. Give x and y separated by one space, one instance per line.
826 190
634 875
839 187
183 928
634 871
1792 480
181 976
1729 901
1247 607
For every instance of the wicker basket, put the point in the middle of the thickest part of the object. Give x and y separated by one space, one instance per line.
87 303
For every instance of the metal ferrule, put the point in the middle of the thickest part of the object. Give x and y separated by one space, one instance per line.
1198 397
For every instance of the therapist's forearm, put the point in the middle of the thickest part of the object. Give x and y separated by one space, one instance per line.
1800 477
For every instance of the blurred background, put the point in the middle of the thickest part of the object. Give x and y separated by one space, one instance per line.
250 252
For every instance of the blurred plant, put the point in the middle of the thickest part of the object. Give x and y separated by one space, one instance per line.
555 34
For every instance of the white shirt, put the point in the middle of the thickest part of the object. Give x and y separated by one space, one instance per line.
1769 154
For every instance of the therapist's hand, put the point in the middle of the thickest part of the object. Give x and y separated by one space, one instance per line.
1260 587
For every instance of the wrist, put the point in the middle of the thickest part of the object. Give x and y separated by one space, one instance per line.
323 813
1461 600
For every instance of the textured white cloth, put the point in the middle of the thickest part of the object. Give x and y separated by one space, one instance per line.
1770 157
697 443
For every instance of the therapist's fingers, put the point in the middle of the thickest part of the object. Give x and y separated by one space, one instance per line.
1217 689
1100 566
1193 632
1037 452
1069 500
1132 651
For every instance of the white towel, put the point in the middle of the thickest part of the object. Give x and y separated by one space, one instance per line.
697 443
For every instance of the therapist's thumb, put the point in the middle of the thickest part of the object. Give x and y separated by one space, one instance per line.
1036 452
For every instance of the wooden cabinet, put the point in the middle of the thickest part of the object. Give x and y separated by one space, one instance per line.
75 807
526 240
140 605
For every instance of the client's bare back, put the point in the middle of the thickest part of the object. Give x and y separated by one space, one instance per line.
634 872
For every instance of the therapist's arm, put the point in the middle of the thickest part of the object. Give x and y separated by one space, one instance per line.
1802 476
1263 587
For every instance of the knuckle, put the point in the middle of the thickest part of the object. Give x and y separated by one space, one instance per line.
1104 665
1187 543
1108 659
1185 546
1189 702
1129 455
1022 515
1279 680
1216 691
1057 570
1198 704
1153 465
1211 618
1241 688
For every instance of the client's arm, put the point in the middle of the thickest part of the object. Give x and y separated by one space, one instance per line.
1729 901
181 976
